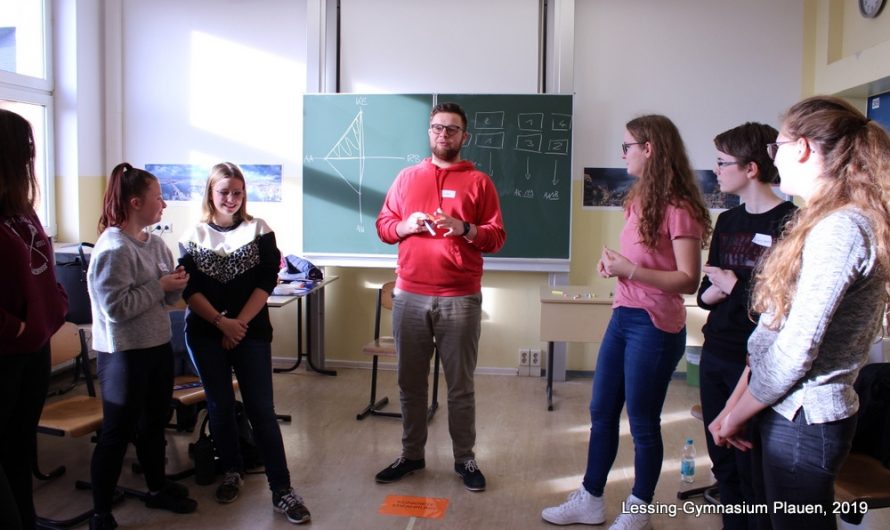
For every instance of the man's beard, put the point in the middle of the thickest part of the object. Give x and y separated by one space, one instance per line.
445 154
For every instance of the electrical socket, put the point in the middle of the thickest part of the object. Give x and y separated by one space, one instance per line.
534 363
523 369
162 228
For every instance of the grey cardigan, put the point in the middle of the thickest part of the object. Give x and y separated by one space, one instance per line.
125 292
836 314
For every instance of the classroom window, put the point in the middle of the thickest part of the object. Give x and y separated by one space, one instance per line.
26 86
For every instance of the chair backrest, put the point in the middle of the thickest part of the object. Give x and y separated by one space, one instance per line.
72 275
65 344
69 343
384 300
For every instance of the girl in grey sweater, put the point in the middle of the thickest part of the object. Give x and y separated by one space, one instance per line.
131 277
822 294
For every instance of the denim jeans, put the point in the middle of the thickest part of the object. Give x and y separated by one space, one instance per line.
24 380
797 463
136 389
635 364
455 323
252 363
731 467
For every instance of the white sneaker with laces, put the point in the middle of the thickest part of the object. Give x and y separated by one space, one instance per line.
580 508
632 521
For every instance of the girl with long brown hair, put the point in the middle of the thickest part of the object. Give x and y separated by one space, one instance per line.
822 293
667 225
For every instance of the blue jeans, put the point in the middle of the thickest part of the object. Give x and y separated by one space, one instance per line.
797 463
252 362
731 467
635 364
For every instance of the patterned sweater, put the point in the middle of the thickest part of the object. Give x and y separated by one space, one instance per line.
812 361
226 266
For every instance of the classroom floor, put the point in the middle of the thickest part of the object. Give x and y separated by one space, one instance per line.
531 458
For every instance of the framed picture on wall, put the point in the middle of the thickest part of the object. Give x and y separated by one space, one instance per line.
606 188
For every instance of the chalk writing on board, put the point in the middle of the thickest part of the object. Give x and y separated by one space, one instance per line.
348 149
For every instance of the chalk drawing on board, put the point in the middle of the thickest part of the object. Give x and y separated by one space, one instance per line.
560 122
558 146
349 149
528 142
490 140
555 172
531 121
489 120
528 170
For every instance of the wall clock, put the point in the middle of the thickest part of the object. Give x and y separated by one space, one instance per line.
871 8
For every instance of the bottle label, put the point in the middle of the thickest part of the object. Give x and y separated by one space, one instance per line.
687 467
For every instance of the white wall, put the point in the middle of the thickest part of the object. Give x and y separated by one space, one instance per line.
209 80
464 46
708 66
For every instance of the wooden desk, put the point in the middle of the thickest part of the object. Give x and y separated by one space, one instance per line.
314 324
570 313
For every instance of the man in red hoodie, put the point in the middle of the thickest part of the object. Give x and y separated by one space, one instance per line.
444 214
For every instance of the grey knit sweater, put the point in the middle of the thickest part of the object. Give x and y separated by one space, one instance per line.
125 292
836 313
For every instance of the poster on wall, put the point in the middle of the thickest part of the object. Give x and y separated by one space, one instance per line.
606 188
185 182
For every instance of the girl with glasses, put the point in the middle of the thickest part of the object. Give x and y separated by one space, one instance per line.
667 225
822 292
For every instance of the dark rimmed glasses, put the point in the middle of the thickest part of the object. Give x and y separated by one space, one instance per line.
626 145
772 149
449 130
723 163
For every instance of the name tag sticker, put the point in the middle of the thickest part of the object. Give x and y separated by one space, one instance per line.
763 240
448 194
164 268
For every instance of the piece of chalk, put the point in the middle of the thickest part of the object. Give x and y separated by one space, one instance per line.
556 292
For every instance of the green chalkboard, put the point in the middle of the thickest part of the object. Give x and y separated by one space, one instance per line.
354 146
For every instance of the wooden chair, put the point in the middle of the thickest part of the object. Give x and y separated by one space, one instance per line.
862 478
385 346
711 493
72 416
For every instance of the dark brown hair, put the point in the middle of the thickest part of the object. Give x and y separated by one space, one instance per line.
747 143
18 182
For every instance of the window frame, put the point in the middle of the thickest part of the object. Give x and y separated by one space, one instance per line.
39 92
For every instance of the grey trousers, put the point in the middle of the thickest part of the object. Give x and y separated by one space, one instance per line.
453 324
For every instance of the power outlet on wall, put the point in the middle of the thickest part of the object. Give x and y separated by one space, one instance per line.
161 228
524 360
534 363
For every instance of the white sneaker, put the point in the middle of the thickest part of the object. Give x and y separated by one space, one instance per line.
580 508
632 521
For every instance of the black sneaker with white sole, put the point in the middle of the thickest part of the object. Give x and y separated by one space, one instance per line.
286 501
398 469
473 478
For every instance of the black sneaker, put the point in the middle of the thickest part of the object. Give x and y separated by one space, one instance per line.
398 469
102 521
165 500
473 478
175 489
286 501
230 488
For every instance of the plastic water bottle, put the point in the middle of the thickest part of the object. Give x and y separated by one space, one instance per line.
687 462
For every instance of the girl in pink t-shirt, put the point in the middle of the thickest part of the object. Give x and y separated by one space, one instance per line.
659 260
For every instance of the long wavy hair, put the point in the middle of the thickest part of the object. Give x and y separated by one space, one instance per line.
666 179
221 171
855 173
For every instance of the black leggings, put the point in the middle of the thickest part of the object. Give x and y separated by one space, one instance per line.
136 389
24 380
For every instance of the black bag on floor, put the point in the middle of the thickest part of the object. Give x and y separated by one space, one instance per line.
206 456
72 275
